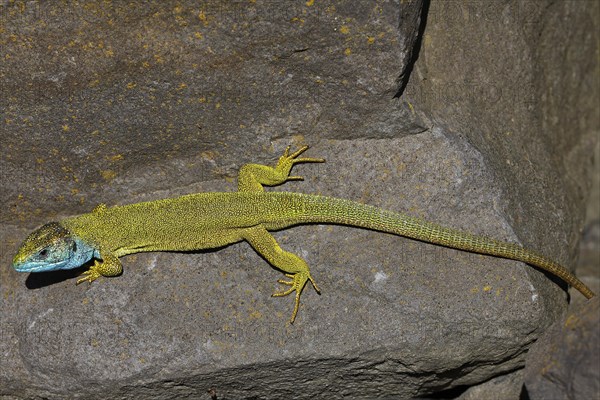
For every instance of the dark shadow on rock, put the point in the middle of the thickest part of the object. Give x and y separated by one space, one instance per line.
413 55
42 279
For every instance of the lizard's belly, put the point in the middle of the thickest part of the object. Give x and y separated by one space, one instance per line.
181 241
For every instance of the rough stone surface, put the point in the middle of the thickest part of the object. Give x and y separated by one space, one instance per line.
519 80
411 24
207 319
117 102
565 362
588 263
129 94
503 387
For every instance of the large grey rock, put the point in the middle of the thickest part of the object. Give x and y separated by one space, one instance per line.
391 308
565 362
117 103
106 98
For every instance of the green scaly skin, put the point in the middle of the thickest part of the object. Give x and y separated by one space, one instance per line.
212 220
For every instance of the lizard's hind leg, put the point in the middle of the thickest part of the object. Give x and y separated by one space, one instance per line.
253 177
293 266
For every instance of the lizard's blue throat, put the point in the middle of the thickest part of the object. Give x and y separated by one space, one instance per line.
69 253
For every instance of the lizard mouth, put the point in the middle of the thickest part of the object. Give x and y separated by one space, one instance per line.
25 266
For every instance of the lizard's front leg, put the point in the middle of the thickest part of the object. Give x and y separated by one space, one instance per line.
294 267
109 266
252 177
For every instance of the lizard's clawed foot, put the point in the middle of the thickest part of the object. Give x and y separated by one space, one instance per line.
296 284
91 274
287 160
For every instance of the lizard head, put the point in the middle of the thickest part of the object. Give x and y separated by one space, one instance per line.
49 248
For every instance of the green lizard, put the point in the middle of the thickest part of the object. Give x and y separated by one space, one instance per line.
212 220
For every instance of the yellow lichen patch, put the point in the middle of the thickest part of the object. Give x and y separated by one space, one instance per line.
298 139
108 174
255 314
428 40
208 155
400 167
131 85
571 321
344 29
309 3
487 288
370 40
348 51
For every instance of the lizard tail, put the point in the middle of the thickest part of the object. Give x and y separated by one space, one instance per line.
320 209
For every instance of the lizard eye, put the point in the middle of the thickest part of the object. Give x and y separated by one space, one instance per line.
74 247
43 253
